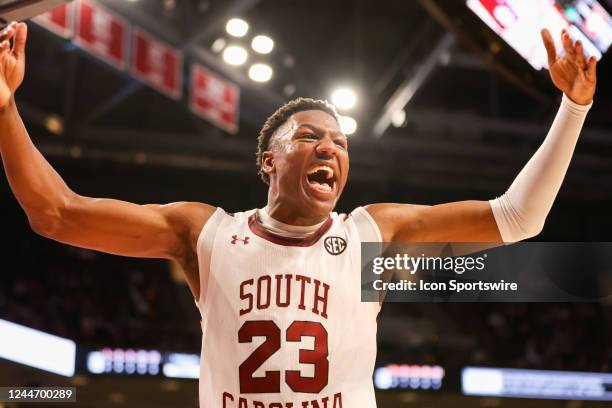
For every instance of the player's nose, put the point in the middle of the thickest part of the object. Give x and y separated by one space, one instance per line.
326 147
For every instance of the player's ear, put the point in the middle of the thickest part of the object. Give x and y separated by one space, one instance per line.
267 162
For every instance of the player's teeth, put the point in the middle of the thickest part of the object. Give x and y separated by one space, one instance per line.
329 172
321 186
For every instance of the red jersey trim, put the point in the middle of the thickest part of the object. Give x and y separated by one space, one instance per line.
308 240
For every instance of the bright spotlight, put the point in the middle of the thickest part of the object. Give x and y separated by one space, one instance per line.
344 98
235 55
237 27
262 44
260 72
348 125
398 119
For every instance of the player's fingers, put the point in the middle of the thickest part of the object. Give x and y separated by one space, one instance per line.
8 32
4 46
549 44
568 46
20 41
580 59
591 72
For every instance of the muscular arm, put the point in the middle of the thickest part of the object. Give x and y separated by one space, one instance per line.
118 227
520 212
55 211
462 221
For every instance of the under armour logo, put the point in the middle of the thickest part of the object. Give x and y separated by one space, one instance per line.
235 239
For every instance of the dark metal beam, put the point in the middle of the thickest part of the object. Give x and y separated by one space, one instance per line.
149 158
402 58
462 59
410 86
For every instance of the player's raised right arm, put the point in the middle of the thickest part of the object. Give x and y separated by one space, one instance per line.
55 211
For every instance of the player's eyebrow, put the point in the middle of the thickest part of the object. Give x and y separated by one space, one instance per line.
318 129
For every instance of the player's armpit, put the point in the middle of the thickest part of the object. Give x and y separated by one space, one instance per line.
461 221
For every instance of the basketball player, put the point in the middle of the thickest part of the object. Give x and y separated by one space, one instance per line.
278 287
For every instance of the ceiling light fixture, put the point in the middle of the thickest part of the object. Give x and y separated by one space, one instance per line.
235 55
262 44
237 27
260 72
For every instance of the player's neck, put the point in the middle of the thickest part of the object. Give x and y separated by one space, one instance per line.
289 216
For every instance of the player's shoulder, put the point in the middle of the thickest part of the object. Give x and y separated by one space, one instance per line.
388 212
190 211
221 217
358 221
389 216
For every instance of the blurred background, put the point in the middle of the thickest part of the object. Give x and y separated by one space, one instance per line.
155 101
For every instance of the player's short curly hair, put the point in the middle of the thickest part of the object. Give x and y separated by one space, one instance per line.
278 118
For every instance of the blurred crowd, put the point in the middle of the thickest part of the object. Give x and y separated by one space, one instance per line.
553 336
540 335
96 299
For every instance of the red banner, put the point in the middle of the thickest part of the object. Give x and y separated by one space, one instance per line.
156 63
214 98
60 20
101 32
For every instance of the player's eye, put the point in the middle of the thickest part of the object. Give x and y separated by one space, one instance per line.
341 142
309 136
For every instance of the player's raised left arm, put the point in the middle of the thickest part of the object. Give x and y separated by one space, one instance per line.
520 213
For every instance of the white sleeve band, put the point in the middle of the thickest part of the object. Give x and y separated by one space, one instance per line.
520 213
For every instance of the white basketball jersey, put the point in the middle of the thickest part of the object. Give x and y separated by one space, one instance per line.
282 318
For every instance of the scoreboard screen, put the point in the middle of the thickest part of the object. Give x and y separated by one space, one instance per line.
518 22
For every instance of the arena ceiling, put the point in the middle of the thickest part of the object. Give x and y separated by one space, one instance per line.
468 128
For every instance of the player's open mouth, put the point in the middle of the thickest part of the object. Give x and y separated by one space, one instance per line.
322 179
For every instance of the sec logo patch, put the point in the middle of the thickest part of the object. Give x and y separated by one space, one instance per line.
334 245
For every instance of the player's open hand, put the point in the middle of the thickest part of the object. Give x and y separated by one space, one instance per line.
572 74
12 60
